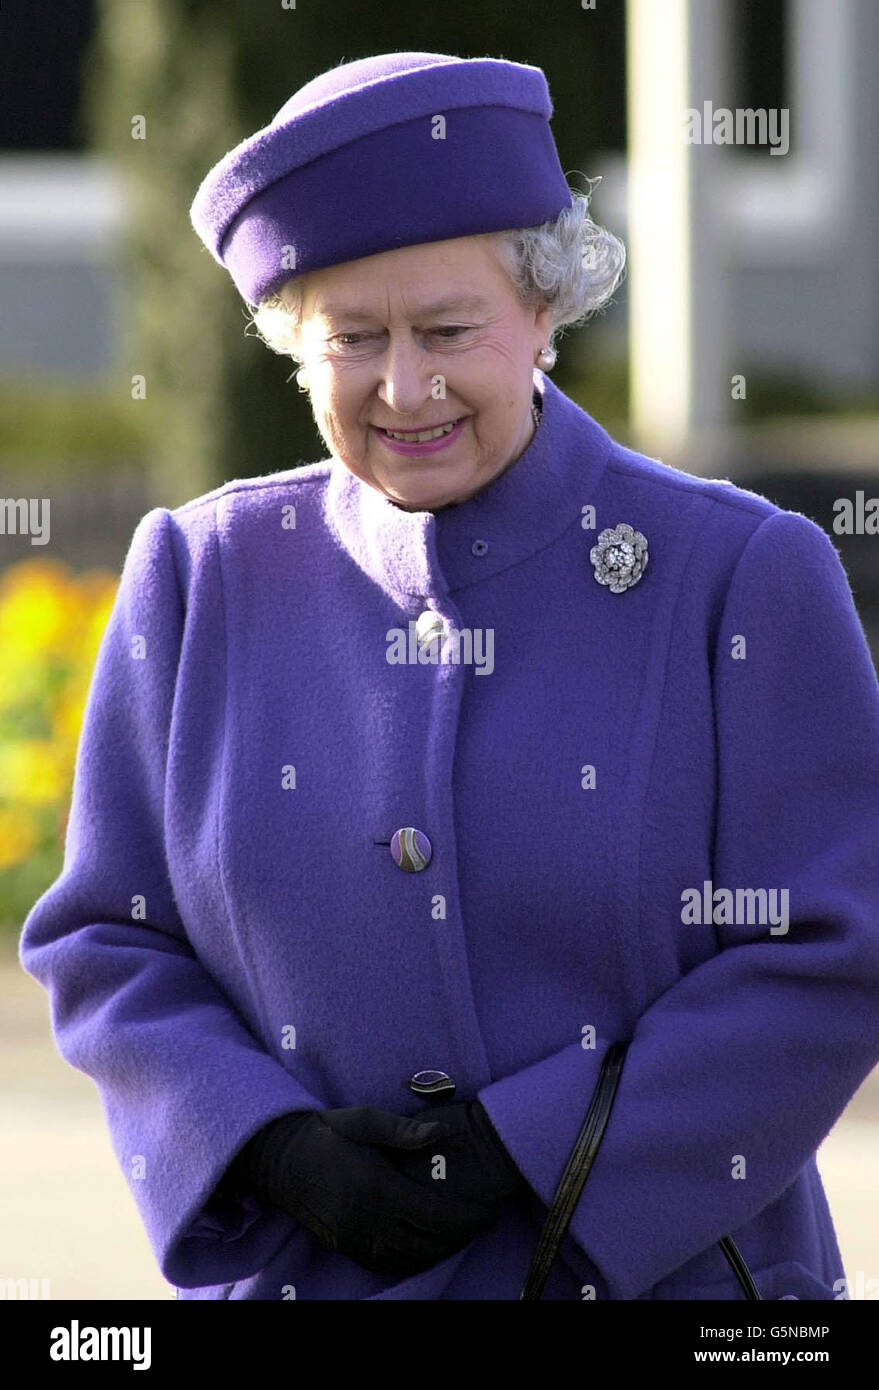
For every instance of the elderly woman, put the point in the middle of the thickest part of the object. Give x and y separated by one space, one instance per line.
420 785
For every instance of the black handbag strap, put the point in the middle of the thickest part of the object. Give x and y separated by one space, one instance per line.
577 1170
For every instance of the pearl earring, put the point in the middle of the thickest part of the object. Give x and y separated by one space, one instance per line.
302 379
546 359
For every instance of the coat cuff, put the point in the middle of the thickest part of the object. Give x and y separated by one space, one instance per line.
224 1234
538 1113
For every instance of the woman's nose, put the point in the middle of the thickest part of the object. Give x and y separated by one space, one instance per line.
405 378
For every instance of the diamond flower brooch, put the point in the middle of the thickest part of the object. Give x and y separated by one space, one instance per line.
620 557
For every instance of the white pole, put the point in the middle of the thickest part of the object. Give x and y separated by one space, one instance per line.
679 377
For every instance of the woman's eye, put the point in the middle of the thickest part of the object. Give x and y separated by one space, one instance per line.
445 332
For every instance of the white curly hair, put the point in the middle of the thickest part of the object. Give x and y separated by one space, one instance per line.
570 264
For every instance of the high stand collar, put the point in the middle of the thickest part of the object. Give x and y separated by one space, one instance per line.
418 555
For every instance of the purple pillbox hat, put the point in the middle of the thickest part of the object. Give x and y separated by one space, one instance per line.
358 161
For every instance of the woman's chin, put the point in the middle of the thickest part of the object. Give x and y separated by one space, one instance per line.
424 501
426 486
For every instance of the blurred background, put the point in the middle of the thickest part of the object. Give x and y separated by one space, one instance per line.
742 344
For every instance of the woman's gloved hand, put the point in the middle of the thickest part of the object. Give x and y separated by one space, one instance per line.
477 1166
332 1171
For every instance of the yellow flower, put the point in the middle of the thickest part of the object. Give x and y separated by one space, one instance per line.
32 773
51 624
37 606
19 835
67 718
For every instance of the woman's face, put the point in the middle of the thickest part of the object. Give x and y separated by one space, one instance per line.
413 339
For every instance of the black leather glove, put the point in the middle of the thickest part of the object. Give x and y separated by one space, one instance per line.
323 1167
478 1165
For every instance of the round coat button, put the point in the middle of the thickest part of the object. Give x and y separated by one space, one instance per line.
411 849
432 1083
429 625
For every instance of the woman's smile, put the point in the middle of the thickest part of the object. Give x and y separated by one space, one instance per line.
425 441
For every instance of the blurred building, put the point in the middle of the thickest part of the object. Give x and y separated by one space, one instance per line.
61 217
60 210
797 227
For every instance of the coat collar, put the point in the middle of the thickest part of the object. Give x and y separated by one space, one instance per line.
413 556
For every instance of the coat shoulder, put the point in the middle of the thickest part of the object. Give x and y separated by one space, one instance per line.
196 525
681 487
735 515
254 495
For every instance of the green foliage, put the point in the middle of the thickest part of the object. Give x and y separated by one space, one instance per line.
25 882
597 380
171 64
56 422
772 394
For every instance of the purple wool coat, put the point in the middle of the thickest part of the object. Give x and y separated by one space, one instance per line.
231 938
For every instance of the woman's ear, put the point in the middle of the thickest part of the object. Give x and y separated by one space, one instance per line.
543 326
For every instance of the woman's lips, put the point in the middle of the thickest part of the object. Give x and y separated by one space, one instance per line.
416 448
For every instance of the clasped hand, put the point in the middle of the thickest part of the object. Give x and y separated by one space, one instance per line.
369 1183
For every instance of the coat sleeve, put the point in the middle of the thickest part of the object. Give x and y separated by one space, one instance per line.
756 1050
182 1081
